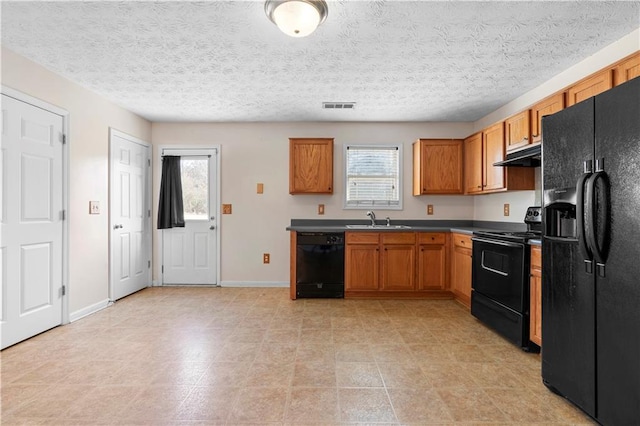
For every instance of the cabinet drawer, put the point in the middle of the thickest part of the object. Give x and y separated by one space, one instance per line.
362 237
462 240
398 238
431 238
536 258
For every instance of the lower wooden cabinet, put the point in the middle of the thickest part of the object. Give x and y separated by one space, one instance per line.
432 261
398 261
362 260
396 264
535 288
461 245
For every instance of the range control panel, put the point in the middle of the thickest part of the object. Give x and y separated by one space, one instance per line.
533 215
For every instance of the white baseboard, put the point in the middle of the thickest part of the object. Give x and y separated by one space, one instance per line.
254 284
92 309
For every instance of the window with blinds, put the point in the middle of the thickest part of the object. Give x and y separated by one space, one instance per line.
373 176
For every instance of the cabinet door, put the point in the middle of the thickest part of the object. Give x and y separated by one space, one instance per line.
518 130
547 106
493 151
437 166
473 163
461 268
592 86
535 310
361 267
627 70
431 267
310 166
398 267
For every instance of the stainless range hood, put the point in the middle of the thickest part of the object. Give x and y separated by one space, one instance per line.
527 157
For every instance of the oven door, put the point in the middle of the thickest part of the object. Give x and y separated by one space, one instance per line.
498 272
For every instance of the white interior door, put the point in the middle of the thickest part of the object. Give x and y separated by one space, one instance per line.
31 210
130 215
190 253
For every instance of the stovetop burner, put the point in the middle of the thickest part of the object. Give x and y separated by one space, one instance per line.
533 219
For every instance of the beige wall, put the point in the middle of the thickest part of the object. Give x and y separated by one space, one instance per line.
259 152
489 207
90 119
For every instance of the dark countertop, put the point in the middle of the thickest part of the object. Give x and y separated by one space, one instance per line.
460 226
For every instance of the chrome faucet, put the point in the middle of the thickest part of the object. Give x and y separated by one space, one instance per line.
372 216
388 221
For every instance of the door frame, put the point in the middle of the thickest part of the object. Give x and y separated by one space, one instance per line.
149 222
194 150
23 97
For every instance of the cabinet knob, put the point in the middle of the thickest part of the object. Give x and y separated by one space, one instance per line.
526 138
329 188
535 136
479 186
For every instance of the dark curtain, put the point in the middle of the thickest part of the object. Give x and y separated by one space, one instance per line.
170 209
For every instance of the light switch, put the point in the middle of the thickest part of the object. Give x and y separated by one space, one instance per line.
94 207
320 208
260 189
226 209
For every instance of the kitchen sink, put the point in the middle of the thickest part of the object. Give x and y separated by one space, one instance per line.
377 227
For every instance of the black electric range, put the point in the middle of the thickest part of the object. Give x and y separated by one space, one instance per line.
500 279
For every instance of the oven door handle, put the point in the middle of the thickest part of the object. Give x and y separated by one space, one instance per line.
500 243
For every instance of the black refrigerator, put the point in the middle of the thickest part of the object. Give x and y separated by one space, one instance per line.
591 254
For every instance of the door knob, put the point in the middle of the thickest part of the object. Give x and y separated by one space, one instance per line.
117 226
212 227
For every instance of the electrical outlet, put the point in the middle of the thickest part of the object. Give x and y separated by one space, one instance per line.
506 209
226 209
320 208
94 207
429 208
260 189
266 258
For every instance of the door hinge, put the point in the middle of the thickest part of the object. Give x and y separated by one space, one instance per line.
63 214
148 213
64 139
148 264
149 162
162 269
63 290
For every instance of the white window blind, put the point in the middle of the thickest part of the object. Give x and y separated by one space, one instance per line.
372 176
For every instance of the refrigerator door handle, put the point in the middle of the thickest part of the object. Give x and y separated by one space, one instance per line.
592 213
580 224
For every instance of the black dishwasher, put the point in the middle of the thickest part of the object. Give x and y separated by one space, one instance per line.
320 264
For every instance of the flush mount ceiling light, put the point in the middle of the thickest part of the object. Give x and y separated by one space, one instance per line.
296 18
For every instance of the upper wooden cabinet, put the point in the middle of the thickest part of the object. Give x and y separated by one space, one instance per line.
310 166
548 106
481 176
627 69
492 152
518 130
437 166
473 163
596 84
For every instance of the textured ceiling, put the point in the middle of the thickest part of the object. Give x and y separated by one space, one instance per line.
398 60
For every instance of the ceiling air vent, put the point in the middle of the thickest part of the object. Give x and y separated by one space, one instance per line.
338 105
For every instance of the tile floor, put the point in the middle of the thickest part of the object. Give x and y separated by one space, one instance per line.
251 356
